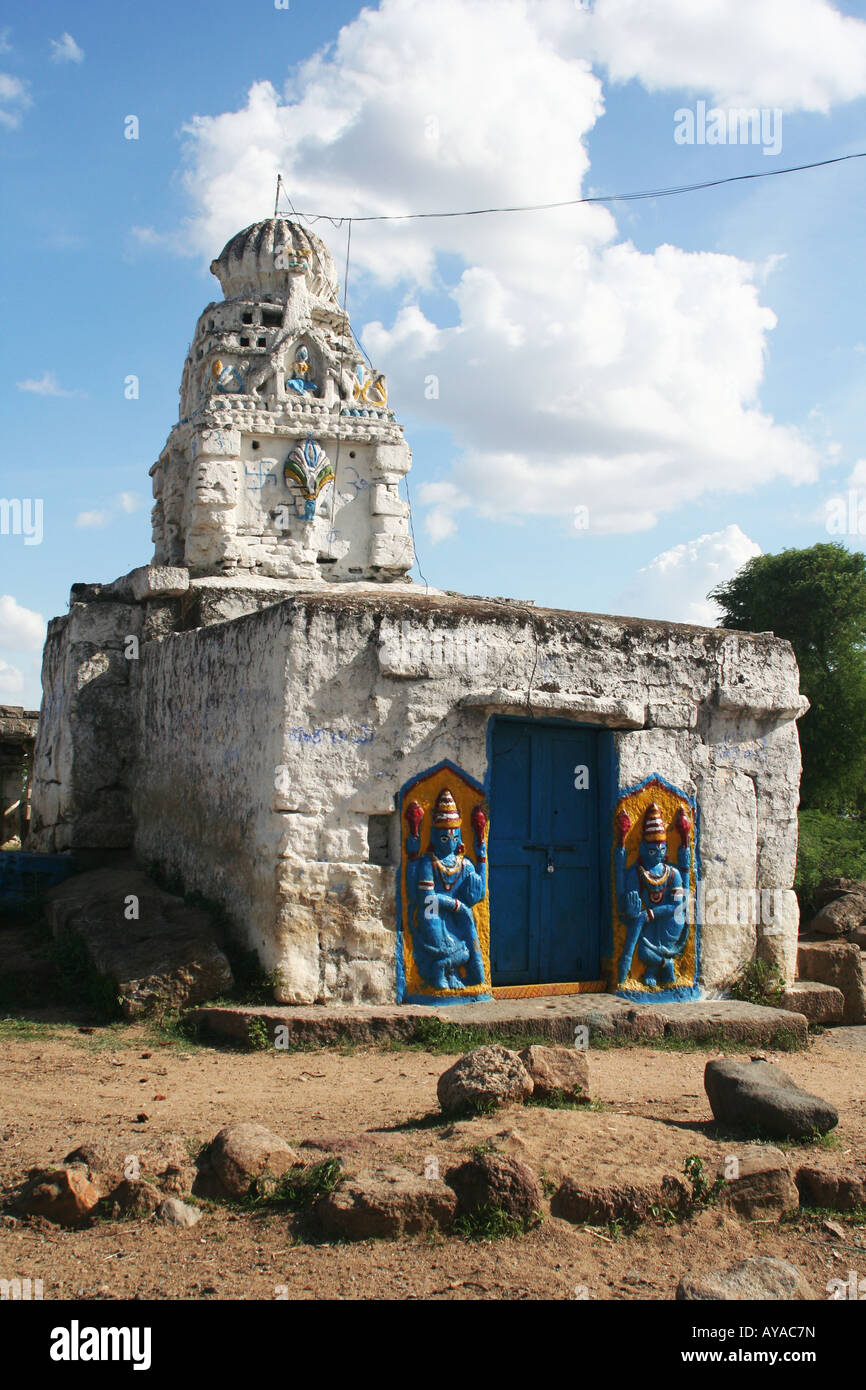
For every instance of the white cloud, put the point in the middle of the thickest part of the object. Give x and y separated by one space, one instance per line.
857 477
442 501
5 45
581 370
45 385
674 585
130 501
66 50
14 100
22 629
99 517
11 682
800 55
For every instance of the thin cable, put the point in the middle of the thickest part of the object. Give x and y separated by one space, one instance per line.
576 202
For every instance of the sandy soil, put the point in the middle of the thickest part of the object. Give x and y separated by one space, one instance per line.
68 1088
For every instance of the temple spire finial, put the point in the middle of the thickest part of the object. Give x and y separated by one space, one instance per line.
277 196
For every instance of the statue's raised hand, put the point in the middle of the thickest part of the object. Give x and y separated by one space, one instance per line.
632 904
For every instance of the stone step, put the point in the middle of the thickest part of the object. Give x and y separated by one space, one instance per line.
820 1003
839 964
606 1018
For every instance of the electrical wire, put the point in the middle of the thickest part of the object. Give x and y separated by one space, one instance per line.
337 221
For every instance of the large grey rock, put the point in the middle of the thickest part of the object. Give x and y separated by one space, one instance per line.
488 1076
836 963
761 1098
557 1071
763 1183
239 1157
386 1202
493 1181
759 1277
167 955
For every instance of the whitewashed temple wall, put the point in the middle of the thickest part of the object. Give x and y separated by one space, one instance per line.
271 749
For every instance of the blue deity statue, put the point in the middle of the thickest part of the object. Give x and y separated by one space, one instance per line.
443 887
300 379
652 896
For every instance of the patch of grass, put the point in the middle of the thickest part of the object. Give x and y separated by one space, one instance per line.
557 1100
814 1216
437 1036
492 1223
258 1036
27 1030
758 983
298 1189
704 1193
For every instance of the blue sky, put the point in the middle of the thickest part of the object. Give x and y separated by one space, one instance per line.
580 362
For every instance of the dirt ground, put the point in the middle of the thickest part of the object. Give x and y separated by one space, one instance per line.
62 1088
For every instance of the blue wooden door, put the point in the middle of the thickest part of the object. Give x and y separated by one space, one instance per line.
544 854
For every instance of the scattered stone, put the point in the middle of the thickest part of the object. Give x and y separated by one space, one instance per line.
591 1203
93 1159
240 1156
836 963
830 888
133 1197
837 1189
167 956
841 917
761 1098
759 1277
388 1202
482 1079
834 1229
763 1183
820 1003
557 1071
176 1179
64 1195
493 1181
173 1212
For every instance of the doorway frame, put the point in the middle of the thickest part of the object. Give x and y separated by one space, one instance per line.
608 769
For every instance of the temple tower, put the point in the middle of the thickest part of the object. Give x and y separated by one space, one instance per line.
286 459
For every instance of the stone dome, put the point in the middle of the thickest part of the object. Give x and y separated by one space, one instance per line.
265 258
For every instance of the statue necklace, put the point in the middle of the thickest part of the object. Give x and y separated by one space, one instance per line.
655 884
448 875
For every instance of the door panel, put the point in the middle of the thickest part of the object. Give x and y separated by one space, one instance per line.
544 926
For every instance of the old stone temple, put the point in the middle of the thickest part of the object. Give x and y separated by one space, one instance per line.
393 793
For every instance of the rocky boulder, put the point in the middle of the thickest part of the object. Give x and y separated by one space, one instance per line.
64 1195
842 916
839 1189
492 1182
761 1183
173 1212
482 1079
586 1202
133 1197
759 1277
557 1071
166 956
823 1004
836 963
240 1159
386 1202
761 1099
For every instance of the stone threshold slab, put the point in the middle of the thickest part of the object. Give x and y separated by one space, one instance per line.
604 1015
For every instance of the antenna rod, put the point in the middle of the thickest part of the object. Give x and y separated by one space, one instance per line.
277 198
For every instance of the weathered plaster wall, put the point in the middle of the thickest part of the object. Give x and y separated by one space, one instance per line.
267 743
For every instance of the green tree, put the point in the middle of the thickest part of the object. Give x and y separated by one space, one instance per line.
816 598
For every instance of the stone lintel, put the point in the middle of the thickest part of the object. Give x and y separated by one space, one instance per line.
593 709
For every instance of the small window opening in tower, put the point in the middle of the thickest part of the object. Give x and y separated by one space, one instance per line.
272 318
245 342
261 342
247 317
